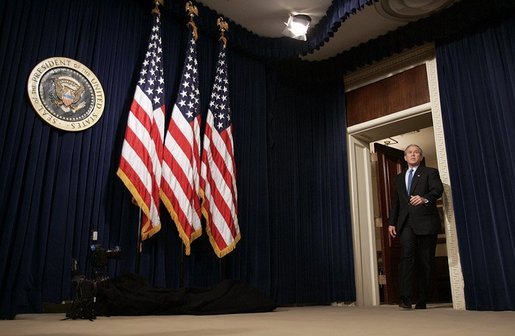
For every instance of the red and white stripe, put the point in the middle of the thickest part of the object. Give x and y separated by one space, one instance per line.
218 170
142 151
140 163
180 180
180 185
218 183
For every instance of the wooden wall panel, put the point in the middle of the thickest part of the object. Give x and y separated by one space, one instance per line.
392 94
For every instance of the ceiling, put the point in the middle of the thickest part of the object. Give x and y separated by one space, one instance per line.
267 17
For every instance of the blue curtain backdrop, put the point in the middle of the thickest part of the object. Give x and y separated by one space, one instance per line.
308 172
56 187
477 90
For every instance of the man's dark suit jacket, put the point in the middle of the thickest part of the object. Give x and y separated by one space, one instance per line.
424 218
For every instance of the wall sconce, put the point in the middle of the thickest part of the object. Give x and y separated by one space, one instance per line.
297 26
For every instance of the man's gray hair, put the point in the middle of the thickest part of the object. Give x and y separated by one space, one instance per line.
414 145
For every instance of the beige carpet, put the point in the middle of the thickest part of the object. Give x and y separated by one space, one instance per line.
317 321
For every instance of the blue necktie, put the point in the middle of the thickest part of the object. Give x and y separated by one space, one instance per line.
410 179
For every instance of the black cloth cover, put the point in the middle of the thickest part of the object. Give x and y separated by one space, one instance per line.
131 295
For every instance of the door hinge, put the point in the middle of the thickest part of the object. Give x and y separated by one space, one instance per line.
373 157
382 279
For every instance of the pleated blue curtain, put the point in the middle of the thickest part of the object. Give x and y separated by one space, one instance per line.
56 187
308 177
477 90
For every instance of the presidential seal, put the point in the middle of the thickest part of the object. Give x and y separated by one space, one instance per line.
66 94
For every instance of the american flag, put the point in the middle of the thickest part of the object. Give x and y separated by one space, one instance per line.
142 151
218 172
181 160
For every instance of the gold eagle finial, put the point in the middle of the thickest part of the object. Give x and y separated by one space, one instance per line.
156 6
223 26
192 12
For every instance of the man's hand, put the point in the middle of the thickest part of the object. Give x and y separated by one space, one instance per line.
417 200
392 231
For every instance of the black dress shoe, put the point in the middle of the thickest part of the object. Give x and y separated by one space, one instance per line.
406 304
420 306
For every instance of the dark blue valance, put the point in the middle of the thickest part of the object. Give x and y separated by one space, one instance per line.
273 48
454 22
338 12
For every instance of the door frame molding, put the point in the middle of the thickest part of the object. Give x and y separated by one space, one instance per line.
361 195
453 254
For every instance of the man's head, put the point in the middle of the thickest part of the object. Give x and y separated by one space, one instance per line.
413 155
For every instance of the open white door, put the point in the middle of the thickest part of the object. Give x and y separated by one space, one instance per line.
362 212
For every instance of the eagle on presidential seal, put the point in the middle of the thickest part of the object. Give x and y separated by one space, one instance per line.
68 94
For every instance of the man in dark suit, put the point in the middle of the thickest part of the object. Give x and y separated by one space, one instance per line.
414 219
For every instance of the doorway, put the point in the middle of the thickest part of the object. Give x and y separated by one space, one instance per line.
388 161
361 182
